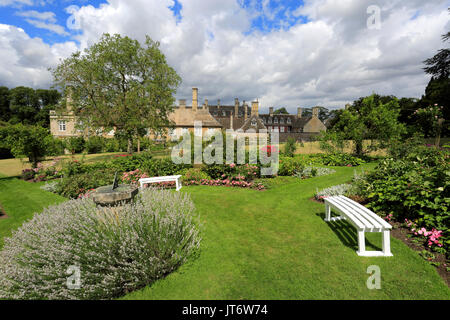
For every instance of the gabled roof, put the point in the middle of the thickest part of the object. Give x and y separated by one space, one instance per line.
185 117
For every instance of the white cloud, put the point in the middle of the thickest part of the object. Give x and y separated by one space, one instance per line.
331 60
45 16
25 61
56 28
16 2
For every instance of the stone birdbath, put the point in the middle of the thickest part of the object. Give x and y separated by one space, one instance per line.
115 194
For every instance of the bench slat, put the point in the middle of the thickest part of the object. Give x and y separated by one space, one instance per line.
380 220
352 218
368 220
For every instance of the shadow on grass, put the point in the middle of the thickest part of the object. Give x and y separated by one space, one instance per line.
347 233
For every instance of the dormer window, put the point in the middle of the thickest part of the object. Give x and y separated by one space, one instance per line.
275 120
288 120
253 123
282 120
270 120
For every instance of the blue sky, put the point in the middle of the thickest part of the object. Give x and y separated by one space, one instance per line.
268 15
13 15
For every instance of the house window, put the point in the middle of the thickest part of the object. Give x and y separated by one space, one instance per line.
270 120
254 123
288 120
275 129
288 129
62 125
275 120
282 129
282 120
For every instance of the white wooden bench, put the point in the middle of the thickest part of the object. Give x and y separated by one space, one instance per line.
176 179
363 220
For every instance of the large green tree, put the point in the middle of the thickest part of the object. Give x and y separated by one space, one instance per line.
23 105
117 83
5 113
373 118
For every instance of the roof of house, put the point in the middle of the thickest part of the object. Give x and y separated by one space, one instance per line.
185 117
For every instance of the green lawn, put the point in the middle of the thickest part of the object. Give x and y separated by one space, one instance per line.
267 245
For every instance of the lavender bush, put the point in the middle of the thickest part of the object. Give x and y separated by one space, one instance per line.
339 190
310 172
117 250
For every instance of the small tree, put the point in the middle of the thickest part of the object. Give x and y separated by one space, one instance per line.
290 147
118 84
369 118
32 142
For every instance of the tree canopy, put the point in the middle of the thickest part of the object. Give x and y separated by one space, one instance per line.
372 118
119 84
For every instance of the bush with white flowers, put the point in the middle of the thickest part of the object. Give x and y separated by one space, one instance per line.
76 250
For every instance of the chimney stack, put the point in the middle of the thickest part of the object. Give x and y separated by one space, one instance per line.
206 104
245 111
218 104
255 105
182 103
236 107
315 112
271 111
194 99
299 113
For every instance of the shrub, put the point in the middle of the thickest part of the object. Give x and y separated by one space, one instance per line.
310 172
415 187
289 166
339 190
95 144
117 250
194 174
290 147
113 145
50 186
73 186
75 144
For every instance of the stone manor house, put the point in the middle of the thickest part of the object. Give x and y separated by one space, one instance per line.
215 117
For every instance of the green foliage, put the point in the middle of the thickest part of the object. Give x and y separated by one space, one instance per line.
414 186
194 174
75 144
32 142
77 184
116 250
290 147
95 144
289 166
134 87
372 118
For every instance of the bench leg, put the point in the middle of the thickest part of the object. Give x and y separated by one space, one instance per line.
387 243
327 212
361 244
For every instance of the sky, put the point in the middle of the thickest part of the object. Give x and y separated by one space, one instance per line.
285 53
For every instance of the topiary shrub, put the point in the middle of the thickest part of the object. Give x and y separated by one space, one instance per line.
116 250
